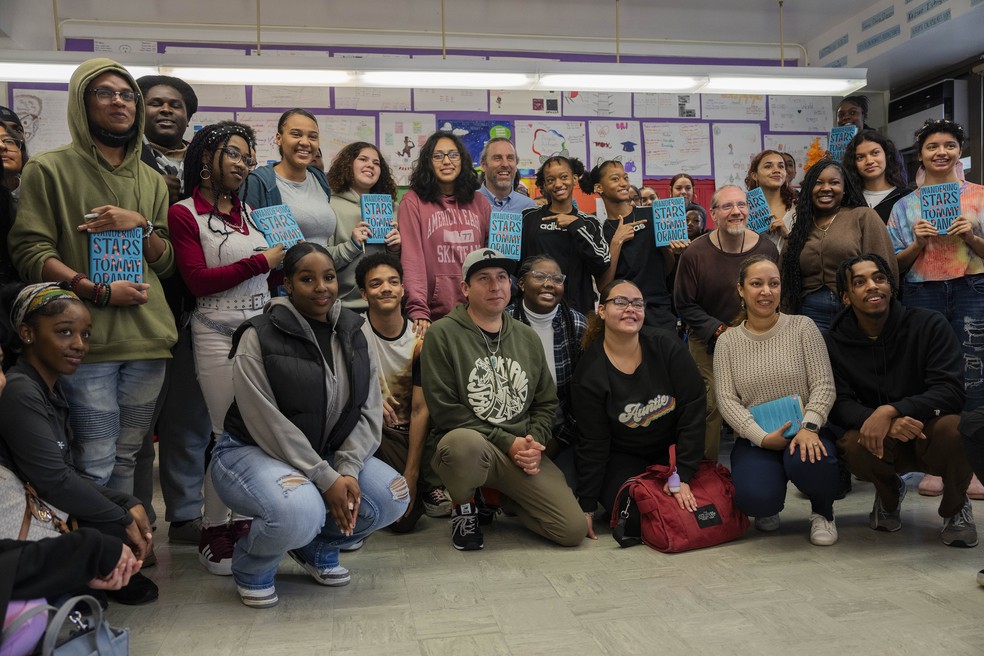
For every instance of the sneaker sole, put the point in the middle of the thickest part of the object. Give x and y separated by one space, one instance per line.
221 568
331 583
260 602
961 544
437 512
469 547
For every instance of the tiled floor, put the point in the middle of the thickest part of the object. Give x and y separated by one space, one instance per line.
871 593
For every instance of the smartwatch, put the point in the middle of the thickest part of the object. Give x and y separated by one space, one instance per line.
811 426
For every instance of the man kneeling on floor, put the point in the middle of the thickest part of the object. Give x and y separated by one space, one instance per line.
899 376
492 403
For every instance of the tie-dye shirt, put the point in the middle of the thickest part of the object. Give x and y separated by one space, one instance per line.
945 257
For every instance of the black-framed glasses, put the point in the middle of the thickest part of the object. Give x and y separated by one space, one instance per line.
108 95
622 302
452 155
541 277
235 157
11 142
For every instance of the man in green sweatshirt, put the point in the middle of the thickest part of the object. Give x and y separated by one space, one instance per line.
95 184
492 404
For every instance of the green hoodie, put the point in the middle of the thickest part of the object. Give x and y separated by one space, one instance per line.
59 187
513 398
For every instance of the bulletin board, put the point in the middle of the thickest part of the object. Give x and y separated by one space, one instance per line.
710 136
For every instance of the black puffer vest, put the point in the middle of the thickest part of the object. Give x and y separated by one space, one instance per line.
296 371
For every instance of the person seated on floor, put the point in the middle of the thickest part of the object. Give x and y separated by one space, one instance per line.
492 402
769 355
296 454
899 376
52 333
379 278
542 306
636 392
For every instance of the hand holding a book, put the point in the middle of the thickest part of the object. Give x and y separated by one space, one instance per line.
778 227
923 230
110 217
274 256
360 233
962 228
124 292
392 240
776 441
677 246
809 446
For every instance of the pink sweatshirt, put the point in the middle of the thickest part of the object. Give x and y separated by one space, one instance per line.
435 239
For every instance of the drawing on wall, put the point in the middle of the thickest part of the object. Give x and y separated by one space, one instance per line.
524 103
475 133
735 144
339 131
538 141
44 115
800 114
797 145
400 138
264 124
617 140
666 105
201 119
672 148
732 106
591 103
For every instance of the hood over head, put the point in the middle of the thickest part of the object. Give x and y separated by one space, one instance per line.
78 119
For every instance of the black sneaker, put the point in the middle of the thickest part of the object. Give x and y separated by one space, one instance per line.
466 534
486 512
140 590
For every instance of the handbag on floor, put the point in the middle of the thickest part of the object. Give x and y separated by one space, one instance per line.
23 515
92 636
665 526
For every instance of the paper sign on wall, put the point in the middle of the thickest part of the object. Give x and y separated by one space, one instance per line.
618 140
400 139
537 141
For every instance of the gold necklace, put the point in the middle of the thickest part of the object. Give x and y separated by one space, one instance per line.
827 227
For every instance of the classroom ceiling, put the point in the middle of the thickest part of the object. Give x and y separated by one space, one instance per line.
551 25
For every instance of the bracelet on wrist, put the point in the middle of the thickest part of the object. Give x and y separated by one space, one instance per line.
76 279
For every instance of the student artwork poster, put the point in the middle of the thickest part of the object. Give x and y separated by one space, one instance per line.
538 141
734 146
618 140
400 139
475 134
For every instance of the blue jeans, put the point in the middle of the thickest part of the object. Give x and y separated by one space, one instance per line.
761 475
289 513
112 406
822 306
184 432
961 301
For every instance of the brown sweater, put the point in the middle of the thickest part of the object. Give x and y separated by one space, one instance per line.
853 232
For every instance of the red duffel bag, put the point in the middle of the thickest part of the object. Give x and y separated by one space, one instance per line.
668 528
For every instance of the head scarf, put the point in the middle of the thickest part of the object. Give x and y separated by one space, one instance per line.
34 297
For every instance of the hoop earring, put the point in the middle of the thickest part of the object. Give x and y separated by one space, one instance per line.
206 173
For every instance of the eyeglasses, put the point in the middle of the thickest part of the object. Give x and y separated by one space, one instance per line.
728 207
11 142
235 156
541 277
452 155
621 302
108 95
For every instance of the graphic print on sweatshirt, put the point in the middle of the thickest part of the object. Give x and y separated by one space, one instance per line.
497 389
636 415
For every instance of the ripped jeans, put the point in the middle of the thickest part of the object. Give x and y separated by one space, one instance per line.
961 301
289 513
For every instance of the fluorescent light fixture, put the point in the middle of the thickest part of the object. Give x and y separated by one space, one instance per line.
443 79
618 82
258 75
35 72
789 81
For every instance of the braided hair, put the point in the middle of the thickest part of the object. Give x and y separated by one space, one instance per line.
206 142
564 310
792 276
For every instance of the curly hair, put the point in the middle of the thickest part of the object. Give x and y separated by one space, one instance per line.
785 192
845 268
894 175
574 164
792 276
341 172
206 142
373 260
423 180
932 126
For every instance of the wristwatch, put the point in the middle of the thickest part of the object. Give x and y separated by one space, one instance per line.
811 426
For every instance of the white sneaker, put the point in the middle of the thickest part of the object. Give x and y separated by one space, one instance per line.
264 598
767 524
823 531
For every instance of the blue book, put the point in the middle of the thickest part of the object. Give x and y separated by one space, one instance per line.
838 140
759 214
771 415
278 225
116 255
506 233
377 211
669 220
940 204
